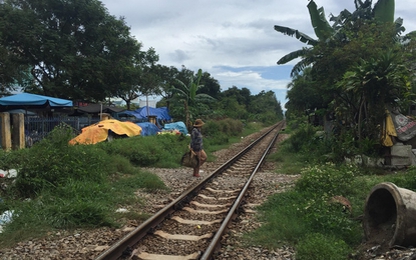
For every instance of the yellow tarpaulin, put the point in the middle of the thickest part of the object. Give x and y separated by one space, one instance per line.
388 131
98 132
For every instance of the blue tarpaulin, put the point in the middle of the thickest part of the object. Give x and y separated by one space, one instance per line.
27 99
161 113
180 126
148 128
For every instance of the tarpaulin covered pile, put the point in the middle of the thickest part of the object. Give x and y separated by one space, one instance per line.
99 132
180 126
160 113
148 128
398 126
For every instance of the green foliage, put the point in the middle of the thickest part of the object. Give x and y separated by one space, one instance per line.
308 208
368 89
13 160
300 137
141 180
283 221
186 93
304 139
65 214
326 180
302 93
307 216
320 247
61 186
52 162
158 150
405 179
219 132
264 107
370 73
79 63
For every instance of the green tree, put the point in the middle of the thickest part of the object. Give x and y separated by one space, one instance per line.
322 30
243 96
302 94
186 93
144 77
383 12
332 54
210 86
266 108
354 74
232 108
74 49
168 77
376 84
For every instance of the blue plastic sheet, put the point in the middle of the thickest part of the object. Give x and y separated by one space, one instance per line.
148 128
180 126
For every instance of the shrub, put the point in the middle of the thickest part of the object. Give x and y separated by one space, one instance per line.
52 162
301 137
158 150
328 179
227 127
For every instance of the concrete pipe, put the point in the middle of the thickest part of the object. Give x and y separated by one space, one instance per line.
390 215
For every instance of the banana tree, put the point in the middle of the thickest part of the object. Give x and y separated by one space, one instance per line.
322 30
383 11
187 94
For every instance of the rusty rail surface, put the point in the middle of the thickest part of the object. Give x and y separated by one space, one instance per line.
124 246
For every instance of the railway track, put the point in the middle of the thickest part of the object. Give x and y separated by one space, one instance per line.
191 226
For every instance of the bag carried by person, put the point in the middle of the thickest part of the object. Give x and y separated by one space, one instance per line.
190 159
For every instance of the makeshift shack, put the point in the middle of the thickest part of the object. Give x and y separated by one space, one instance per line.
143 114
27 100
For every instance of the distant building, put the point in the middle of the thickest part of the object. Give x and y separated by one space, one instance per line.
149 103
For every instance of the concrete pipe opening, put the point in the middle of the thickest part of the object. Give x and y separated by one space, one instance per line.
390 215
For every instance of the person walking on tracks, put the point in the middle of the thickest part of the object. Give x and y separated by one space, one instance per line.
197 145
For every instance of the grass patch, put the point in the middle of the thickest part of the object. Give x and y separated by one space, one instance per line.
283 222
320 247
287 162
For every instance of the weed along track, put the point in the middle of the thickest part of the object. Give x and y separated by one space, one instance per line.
192 226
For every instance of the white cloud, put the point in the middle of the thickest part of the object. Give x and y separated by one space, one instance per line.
221 36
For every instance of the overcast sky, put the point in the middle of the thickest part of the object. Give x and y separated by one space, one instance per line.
233 40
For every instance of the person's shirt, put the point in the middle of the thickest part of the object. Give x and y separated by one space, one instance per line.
196 140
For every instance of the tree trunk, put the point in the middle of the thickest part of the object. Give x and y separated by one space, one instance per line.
360 119
187 120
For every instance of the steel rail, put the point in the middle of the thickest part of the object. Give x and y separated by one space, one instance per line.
124 245
215 242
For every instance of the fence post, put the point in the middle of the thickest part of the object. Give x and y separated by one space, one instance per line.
6 137
18 135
